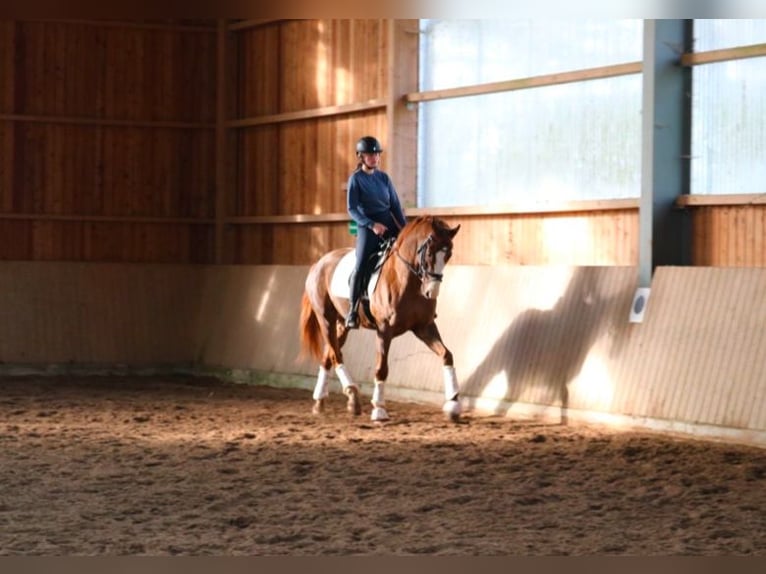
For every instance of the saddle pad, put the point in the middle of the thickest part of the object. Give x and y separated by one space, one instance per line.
339 286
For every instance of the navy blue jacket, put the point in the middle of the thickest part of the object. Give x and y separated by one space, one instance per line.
371 195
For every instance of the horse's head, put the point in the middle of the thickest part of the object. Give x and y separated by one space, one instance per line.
433 248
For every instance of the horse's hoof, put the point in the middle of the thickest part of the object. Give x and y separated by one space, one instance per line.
318 407
379 415
354 405
452 417
451 410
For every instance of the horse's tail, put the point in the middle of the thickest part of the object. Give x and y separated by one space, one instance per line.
311 335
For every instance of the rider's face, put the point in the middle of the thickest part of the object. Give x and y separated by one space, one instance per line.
371 160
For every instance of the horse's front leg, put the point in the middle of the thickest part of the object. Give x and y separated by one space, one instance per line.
379 412
429 334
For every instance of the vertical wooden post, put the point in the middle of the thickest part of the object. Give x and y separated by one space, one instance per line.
220 142
402 145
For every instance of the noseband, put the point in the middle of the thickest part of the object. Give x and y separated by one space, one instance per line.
421 272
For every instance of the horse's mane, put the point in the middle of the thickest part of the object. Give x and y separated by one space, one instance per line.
415 224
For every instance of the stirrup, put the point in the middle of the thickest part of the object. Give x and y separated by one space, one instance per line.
352 320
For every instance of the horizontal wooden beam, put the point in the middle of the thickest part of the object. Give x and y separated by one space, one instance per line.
298 218
470 211
123 24
529 208
725 55
344 109
741 199
466 211
246 24
526 83
104 219
104 122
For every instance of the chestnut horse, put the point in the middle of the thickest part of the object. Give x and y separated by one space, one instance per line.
404 300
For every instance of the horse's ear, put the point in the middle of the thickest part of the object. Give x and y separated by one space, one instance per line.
454 230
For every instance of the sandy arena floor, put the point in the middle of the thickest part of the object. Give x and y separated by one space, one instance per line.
183 466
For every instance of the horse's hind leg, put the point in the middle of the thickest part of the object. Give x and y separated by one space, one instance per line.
333 356
350 388
321 387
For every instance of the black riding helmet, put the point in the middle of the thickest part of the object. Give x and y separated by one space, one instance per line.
368 144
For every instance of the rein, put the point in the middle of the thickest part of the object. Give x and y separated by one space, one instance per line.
420 271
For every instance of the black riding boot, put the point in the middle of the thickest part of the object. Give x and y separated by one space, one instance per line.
352 319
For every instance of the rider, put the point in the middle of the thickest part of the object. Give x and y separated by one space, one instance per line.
374 204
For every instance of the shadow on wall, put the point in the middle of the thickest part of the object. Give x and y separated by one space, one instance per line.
542 351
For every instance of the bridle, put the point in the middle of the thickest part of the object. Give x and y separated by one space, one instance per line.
421 271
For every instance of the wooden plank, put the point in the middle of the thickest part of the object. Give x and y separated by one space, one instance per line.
402 147
723 55
701 237
720 200
526 83
7 65
55 119
239 25
289 166
472 211
7 160
124 24
758 246
725 244
8 82
220 140
36 69
749 254
346 109
106 218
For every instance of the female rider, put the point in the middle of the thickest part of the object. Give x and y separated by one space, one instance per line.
374 204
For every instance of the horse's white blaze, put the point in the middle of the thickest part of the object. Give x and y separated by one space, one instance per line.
431 289
440 262
345 378
320 389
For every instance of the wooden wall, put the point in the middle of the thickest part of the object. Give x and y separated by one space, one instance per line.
729 235
106 141
296 78
109 149
588 237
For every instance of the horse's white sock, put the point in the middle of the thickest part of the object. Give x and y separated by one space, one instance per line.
450 384
378 403
378 400
345 378
320 389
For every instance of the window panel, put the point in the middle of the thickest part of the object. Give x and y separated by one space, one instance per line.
729 112
564 142
720 34
464 52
